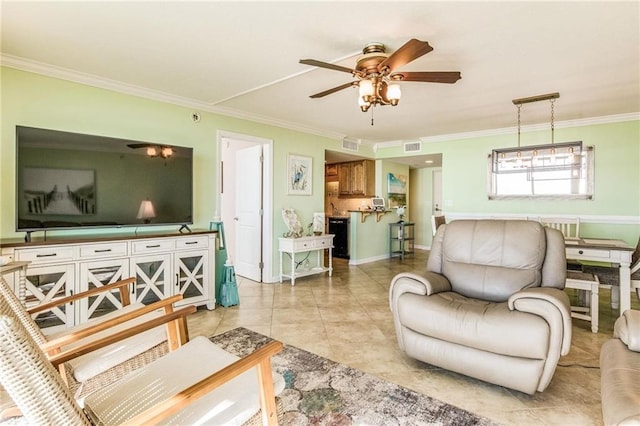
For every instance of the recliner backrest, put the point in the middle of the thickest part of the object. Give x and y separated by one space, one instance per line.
492 259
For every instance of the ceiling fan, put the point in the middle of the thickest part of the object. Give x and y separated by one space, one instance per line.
376 79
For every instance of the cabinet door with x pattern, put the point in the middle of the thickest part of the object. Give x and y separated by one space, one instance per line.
190 275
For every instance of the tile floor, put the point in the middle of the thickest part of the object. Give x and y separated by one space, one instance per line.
346 318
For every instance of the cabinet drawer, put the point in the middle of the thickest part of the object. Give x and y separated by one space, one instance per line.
46 254
578 252
192 243
152 246
92 251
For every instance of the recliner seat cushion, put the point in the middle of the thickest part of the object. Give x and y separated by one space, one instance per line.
491 260
478 324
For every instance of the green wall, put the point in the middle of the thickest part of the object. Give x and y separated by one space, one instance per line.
30 99
614 211
35 100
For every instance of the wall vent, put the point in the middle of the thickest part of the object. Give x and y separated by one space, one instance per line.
413 147
350 145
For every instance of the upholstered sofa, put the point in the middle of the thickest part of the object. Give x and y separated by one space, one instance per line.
490 304
620 372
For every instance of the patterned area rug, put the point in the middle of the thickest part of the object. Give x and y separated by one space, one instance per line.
322 392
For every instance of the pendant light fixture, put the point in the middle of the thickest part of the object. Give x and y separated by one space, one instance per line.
552 156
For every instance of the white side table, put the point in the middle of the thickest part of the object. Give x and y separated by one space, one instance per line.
317 243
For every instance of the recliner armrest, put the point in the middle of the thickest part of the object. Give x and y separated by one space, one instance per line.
427 284
627 329
528 300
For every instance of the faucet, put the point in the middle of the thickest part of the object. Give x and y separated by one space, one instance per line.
335 211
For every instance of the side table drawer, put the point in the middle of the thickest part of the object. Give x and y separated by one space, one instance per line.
324 242
578 252
302 244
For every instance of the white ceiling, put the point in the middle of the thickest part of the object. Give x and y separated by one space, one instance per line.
241 58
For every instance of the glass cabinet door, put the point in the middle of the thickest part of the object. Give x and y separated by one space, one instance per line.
45 284
192 280
152 278
94 275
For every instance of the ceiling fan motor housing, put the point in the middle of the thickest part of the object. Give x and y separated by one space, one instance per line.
372 55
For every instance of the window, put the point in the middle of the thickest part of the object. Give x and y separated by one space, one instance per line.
560 171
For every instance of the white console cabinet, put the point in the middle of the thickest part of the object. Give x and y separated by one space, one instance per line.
163 264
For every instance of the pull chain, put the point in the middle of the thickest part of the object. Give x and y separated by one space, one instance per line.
372 114
552 117
519 106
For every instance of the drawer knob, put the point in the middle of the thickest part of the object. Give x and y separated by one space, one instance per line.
580 252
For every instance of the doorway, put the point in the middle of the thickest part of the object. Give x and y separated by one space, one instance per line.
245 203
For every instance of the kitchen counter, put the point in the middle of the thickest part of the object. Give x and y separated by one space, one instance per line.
366 213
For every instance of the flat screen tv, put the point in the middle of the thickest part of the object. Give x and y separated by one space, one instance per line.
71 180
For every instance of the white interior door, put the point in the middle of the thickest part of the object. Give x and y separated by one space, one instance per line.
248 191
437 193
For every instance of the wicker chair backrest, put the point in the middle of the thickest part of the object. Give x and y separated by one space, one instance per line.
30 379
19 311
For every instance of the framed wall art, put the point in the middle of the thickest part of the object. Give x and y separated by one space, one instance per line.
299 175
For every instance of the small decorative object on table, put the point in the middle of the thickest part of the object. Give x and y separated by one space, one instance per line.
291 220
318 223
400 210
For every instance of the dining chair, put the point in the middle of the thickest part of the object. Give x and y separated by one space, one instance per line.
195 383
569 226
587 284
103 365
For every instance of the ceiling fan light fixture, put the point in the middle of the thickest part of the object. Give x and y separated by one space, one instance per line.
365 90
375 76
152 151
364 105
394 94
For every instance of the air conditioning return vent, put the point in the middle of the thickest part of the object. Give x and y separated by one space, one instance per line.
413 147
351 145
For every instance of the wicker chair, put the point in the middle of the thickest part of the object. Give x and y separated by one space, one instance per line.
168 388
102 366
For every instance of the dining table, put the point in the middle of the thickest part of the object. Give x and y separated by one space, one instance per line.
615 252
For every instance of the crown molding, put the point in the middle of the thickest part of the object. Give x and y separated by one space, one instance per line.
36 67
156 95
608 119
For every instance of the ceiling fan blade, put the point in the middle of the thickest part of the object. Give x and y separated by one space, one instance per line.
333 90
409 51
327 65
139 145
428 76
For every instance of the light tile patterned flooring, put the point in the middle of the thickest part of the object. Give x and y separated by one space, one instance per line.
346 318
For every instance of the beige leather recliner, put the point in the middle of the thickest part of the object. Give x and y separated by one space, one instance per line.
490 305
620 372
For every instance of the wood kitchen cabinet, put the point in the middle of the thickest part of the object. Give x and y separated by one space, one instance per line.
331 173
357 178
